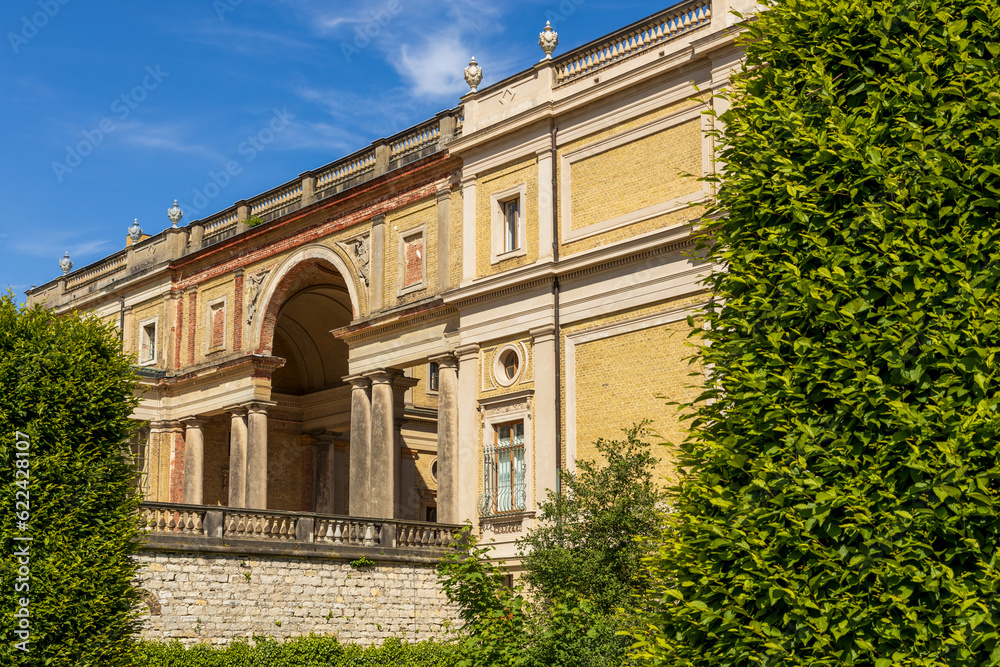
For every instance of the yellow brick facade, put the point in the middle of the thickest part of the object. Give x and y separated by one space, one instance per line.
524 173
402 224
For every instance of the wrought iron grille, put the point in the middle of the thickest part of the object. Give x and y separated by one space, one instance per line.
503 472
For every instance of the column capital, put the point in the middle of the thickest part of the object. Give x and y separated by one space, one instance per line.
446 360
193 421
259 407
357 381
468 180
543 334
403 382
381 376
466 351
236 410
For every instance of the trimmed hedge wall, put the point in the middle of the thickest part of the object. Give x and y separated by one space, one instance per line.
311 651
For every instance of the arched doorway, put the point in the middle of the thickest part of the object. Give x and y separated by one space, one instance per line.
307 441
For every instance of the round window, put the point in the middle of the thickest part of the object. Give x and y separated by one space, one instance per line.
509 361
507 365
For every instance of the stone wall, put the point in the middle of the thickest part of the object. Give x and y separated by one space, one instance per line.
210 597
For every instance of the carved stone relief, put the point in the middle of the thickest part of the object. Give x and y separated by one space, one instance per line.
357 249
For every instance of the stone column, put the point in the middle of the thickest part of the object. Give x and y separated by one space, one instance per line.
401 385
342 473
256 479
194 460
543 443
361 425
469 436
383 459
447 444
238 457
326 469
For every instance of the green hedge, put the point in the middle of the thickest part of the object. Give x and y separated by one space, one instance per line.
311 651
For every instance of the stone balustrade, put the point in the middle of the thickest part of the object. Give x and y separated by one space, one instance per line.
106 268
208 528
669 24
220 226
277 202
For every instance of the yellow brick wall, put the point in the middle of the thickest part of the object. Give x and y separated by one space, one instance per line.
455 251
498 180
399 224
222 287
634 176
631 177
618 379
141 312
422 399
158 466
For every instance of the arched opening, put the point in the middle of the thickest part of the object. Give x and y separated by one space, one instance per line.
309 423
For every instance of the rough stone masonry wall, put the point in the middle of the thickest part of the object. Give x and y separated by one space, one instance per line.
216 597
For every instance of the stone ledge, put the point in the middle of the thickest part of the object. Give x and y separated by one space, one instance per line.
173 543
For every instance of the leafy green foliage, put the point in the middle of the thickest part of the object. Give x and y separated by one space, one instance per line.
495 616
842 497
66 385
582 563
311 651
584 546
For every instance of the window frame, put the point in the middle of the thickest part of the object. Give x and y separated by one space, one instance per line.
498 410
210 306
433 377
404 237
498 201
153 339
493 502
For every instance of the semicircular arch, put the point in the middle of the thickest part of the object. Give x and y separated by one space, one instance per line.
281 278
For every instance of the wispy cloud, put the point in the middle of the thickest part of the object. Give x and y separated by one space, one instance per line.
54 244
163 137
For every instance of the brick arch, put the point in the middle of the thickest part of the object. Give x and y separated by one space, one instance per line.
298 271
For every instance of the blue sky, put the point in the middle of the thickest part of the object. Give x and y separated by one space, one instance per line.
114 109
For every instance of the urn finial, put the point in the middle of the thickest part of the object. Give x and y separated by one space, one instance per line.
135 231
66 264
175 214
548 40
473 74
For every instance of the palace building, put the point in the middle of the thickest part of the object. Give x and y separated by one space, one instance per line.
417 335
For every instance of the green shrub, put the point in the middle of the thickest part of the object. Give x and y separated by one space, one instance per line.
841 501
311 651
65 384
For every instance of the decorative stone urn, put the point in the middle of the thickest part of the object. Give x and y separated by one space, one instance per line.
548 40
473 74
175 214
66 264
135 231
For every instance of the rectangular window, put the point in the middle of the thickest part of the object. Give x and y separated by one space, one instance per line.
503 471
217 325
147 344
433 373
511 224
413 260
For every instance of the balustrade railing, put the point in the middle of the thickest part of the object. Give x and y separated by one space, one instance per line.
665 26
413 144
109 266
199 522
345 173
219 227
276 203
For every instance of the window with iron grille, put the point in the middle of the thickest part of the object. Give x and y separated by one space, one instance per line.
503 471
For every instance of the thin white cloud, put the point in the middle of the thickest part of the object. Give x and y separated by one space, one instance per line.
435 67
62 242
162 137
